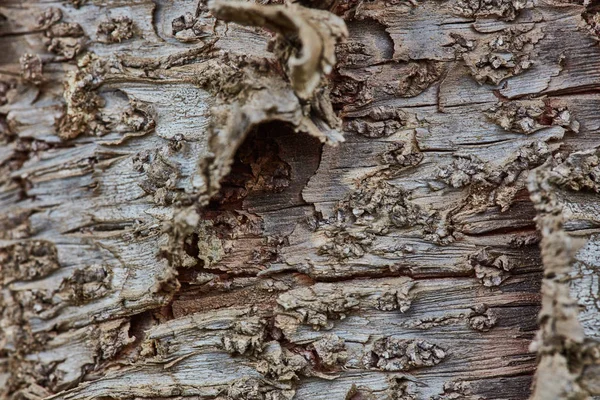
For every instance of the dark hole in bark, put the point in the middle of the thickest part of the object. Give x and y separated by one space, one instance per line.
269 170
251 215
257 167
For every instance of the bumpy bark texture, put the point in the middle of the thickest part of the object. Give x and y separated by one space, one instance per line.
337 199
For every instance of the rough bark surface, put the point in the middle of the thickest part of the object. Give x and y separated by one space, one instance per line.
337 199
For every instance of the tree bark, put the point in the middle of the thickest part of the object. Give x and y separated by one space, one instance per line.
338 199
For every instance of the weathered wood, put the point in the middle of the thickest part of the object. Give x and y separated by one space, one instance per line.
339 199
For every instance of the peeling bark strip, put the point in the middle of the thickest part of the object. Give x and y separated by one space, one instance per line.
569 353
309 199
317 31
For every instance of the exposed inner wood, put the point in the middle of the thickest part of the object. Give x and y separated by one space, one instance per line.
311 200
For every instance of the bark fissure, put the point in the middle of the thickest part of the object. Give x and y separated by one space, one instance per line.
277 199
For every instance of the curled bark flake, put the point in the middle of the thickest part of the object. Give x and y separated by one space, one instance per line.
507 54
381 121
392 354
65 29
115 30
489 269
48 17
322 302
315 306
580 171
482 318
78 3
402 388
454 390
250 388
281 364
417 77
344 244
270 99
66 39
380 206
331 351
7 88
318 32
560 337
247 335
506 10
31 68
396 299
137 120
287 364
463 171
592 20
188 28
82 113
492 184
86 284
162 173
28 260
530 116
359 392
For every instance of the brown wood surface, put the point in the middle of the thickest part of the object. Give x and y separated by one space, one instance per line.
341 199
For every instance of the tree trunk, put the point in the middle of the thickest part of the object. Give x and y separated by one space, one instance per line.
337 199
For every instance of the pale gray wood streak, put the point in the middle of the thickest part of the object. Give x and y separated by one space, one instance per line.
415 235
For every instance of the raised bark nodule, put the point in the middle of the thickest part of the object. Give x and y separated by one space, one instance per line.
267 200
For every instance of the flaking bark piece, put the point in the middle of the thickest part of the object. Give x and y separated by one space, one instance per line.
317 31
